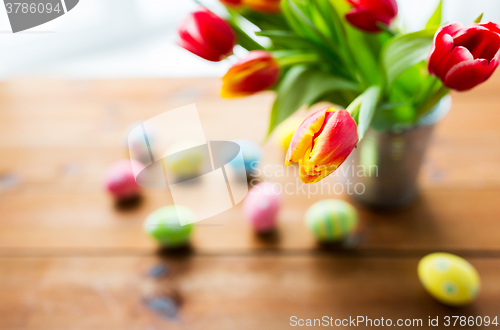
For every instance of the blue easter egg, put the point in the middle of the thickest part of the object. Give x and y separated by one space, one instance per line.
252 154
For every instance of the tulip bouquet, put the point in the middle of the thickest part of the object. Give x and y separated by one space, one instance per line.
354 54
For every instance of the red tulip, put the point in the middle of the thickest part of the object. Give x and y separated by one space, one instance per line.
322 143
265 6
257 72
366 14
465 57
205 34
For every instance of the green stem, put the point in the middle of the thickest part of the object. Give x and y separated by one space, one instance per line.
244 40
433 100
392 32
427 93
297 59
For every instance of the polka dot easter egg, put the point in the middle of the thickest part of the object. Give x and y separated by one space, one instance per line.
120 181
449 279
261 206
331 220
163 225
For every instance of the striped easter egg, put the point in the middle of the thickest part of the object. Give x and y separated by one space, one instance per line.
331 220
163 225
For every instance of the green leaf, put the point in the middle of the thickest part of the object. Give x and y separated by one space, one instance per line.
367 103
244 40
404 113
391 105
287 39
303 24
332 21
287 58
291 41
299 15
404 51
300 86
262 20
338 98
435 19
363 57
479 18
293 21
433 100
341 7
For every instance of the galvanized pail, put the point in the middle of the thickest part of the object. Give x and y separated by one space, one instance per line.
385 165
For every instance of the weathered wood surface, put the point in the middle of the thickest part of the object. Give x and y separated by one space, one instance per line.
70 259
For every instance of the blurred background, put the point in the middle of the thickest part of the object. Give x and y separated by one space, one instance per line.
136 38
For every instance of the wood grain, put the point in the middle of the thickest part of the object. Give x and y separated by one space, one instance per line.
441 220
225 292
71 259
58 138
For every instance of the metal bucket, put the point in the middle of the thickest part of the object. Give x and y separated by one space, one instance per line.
386 164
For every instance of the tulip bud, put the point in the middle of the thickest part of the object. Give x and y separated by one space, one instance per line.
265 6
367 14
232 3
465 57
322 143
205 34
257 72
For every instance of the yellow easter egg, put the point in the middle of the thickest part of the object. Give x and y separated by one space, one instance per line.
285 131
449 279
186 159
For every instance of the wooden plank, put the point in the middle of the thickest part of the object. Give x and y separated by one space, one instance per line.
443 220
66 122
58 138
221 292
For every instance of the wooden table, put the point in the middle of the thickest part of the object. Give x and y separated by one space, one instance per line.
70 259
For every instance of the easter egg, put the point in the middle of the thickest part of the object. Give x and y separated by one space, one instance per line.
135 144
164 226
261 206
120 181
449 279
285 131
185 160
331 220
252 154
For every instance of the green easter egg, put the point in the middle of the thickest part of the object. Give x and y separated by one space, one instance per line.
331 220
164 226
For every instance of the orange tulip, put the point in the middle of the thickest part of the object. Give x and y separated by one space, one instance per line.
322 143
232 3
265 6
257 72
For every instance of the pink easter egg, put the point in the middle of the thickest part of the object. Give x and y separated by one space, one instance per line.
120 181
261 206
